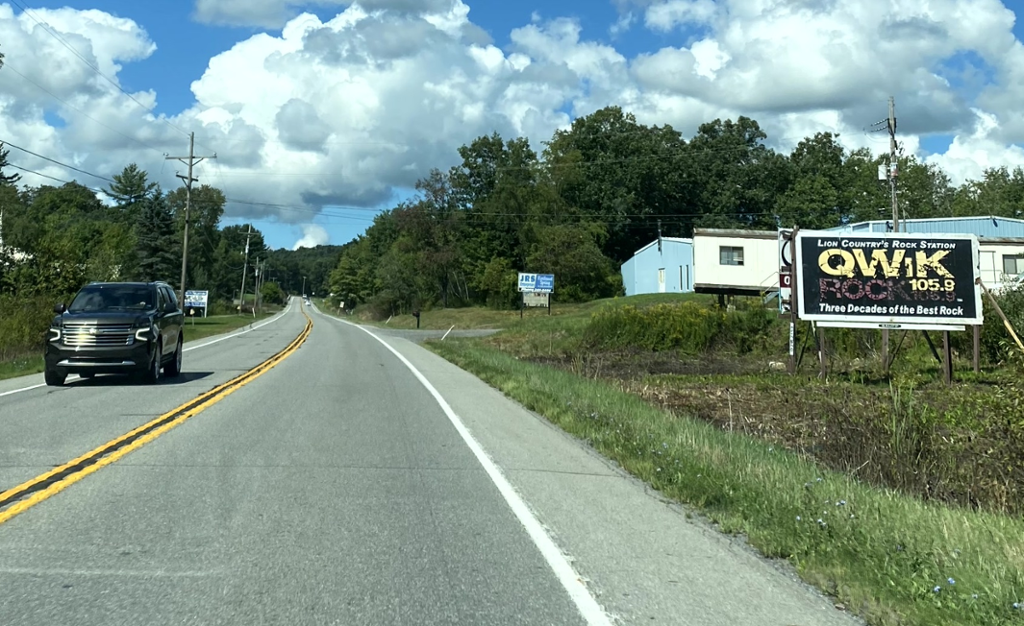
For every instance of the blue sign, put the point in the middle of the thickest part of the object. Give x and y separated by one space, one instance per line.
538 283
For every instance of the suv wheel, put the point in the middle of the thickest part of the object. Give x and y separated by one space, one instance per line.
174 367
54 378
155 365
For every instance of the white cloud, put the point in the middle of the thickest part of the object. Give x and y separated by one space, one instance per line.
346 111
969 155
313 235
276 13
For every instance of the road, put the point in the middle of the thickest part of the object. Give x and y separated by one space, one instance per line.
361 480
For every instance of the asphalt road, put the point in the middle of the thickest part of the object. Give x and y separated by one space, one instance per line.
360 481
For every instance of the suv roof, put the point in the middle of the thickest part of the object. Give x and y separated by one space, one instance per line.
139 283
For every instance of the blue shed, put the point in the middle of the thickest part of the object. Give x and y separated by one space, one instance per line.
985 227
664 268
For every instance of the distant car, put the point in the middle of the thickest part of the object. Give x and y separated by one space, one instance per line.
116 328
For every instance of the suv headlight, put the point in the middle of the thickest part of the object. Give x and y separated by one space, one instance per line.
144 329
54 333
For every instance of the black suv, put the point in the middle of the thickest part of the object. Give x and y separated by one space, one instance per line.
116 328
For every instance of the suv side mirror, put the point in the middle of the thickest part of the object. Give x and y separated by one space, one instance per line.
59 309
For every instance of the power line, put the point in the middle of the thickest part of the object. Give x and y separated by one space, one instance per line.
7 66
56 162
60 39
25 169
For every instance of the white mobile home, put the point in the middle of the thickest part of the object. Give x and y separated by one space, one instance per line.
735 262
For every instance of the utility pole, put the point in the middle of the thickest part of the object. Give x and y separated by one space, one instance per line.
245 268
893 170
256 295
303 286
191 160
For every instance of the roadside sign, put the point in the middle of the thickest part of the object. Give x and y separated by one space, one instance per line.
543 283
197 300
536 299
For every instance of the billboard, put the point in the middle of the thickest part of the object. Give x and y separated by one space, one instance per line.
888 278
542 283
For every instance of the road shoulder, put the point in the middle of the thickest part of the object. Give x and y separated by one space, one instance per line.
644 558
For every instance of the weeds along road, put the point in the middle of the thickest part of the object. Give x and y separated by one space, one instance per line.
354 479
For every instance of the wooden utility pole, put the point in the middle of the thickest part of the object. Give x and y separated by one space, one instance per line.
245 268
895 208
191 161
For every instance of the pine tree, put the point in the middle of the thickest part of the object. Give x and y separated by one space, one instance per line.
4 178
130 189
156 244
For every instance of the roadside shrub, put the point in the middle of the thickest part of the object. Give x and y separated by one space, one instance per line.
23 324
687 327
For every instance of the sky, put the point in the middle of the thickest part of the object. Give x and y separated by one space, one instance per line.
323 113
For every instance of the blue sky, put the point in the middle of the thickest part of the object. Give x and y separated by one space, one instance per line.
185 48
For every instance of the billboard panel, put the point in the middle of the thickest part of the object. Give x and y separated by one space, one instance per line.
888 278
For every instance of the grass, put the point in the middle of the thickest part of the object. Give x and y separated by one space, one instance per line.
481 317
887 556
195 329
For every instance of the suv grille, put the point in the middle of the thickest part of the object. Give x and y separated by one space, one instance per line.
78 334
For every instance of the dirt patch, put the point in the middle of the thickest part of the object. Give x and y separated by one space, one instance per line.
963 445
638 364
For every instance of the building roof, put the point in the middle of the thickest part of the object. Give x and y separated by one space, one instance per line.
984 226
736 232
655 242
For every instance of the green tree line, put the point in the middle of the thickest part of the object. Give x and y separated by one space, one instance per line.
607 186
57 238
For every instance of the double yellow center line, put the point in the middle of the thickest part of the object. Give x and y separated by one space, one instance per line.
26 495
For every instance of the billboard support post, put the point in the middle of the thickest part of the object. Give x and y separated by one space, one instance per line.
947 358
977 349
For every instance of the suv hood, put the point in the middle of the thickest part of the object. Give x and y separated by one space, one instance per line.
124 317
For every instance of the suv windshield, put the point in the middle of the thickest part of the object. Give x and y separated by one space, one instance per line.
112 297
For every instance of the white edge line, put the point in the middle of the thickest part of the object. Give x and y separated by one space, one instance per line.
202 345
11 393
247 330
570 579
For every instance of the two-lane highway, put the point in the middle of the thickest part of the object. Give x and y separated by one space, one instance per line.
333 490
360 480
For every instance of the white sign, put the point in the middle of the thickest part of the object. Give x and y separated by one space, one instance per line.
197 299
533 299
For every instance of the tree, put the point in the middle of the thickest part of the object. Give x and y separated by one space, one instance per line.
738 177
156 254
131 186
6 179
625 174
205 211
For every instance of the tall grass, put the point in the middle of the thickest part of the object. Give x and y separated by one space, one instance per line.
890 557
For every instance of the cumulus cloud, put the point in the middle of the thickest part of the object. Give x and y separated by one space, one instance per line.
313 235
345 111
276 13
